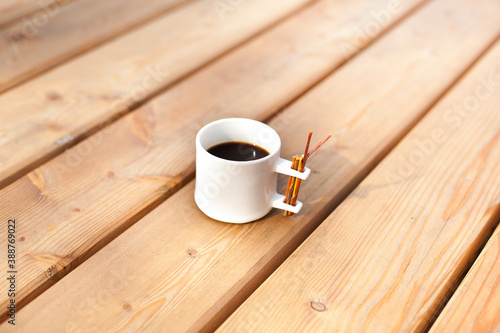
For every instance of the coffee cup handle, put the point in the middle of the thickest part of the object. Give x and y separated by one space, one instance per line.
285 167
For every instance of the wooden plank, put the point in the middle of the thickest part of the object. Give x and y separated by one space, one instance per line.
46 115
44 40
189 272
475 306
386 259
127 169
12 10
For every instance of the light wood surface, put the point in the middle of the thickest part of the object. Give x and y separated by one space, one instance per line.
475 306
194 271
32 46
386 259
127 169
12 10
41 118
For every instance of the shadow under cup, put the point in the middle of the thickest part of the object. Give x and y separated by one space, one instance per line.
236 191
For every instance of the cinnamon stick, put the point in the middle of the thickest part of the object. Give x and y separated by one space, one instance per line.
288 194
296 187
295 182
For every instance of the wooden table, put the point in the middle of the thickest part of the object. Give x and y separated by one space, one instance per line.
100 102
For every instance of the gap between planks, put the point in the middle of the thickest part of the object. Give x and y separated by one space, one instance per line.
475 305
482 241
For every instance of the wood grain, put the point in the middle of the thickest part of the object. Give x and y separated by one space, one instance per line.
37 44
123 171
180 271
386 259
12 10
475 306
44 116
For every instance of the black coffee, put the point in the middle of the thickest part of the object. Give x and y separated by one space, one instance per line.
238 151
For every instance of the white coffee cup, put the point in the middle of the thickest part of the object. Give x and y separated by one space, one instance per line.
240 191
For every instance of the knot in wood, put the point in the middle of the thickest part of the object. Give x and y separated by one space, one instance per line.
192 253
318 306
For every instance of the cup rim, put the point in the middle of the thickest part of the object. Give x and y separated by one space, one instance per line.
224 120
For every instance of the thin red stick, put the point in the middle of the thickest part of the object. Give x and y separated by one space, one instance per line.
306 151
319 145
